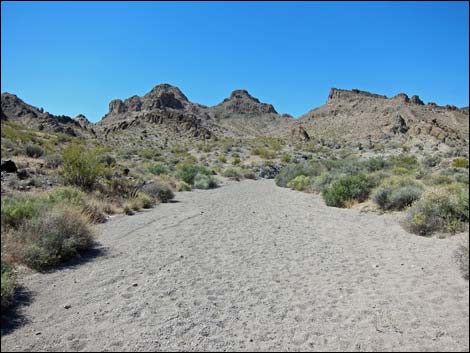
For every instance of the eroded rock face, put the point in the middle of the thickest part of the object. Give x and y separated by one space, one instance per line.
400 126
416 100
299 134
241 102
117 106
401 97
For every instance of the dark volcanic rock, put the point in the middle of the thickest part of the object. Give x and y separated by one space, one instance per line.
299 134
8 166
416 100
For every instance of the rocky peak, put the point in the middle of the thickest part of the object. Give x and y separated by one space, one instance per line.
82 120
344 94
416 100
401 97
241 102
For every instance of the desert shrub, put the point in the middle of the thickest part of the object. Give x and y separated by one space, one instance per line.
400 171
182 186
139 201
375 163
292 171
347 188
68 195
187 172
233 173
158 169
48 240
34 151
107 160
222 158
158 191
397 199
299 183
127 209
203 181
439 209
404 161
249 174
93 210
19 207
54 160
121 188
81 167
460 163
286 158
431 161
8 285
236 161
263 152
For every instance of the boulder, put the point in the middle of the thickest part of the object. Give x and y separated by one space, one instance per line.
9 166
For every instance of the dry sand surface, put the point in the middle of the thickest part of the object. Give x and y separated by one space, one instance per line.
250 266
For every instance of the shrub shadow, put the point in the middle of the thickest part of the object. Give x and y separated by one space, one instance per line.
12 318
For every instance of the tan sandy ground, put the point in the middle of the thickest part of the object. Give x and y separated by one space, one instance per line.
250 266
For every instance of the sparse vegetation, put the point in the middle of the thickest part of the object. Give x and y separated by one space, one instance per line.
45 241
8 285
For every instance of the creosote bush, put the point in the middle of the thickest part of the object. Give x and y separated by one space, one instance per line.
346 189
34 151
45 241
158 191
439 209
81 167
203 181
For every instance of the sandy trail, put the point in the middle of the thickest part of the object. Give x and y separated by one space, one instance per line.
250 266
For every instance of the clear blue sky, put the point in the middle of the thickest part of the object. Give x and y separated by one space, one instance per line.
73 58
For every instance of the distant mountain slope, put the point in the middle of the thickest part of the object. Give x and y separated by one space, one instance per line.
16 110
165 114
361 116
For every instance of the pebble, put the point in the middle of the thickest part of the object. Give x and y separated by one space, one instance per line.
134 284
67 306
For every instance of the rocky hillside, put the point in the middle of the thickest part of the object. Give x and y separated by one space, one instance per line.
15 110
349 117
166 113
361 117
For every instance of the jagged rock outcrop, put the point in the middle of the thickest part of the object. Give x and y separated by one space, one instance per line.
241 102
299 134
16 110
355 116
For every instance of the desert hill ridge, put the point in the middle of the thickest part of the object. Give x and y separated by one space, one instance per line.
347 115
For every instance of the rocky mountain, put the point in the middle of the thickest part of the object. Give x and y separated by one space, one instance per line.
360 117
165 112
165 115
16 110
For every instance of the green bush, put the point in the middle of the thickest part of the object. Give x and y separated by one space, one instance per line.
291 171
396 199
8 285
158 169
440 209
375 163
158 191
34 151
18 207
45 241
347 188
460 163
222 158
263 153
236 161
299 183
233 173
81 167
203 181
54 160
404 161
187 172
